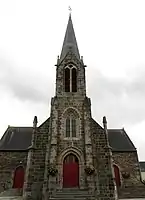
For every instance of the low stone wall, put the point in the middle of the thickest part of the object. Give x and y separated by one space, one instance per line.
8 163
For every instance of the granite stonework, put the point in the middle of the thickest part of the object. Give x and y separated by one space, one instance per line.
9 161
128 162
131 186
50 144
34 176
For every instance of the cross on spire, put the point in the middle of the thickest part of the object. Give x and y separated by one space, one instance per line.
70 10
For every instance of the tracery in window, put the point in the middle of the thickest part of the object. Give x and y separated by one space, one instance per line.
70 79
71 123
70 127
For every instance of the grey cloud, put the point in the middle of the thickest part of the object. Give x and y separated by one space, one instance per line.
122 100
24 85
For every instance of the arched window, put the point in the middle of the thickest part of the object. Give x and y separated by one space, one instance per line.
67 80
67 127
70 127
71 123
74 80
70 81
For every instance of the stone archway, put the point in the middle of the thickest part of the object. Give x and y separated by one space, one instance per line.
18 180
79 154
70 171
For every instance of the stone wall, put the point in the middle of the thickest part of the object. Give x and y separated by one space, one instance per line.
131 186
128 162
105 184
35 169
9 161
80 145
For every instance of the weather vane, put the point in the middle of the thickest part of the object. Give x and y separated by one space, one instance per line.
70 10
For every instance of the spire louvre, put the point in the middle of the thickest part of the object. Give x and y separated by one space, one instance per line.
70 42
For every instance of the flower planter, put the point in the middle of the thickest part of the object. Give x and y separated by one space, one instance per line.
89 170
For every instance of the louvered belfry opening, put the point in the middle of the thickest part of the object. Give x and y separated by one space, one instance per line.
74 80
70 79
67 80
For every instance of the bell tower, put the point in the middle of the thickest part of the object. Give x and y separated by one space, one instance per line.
70 149
70 76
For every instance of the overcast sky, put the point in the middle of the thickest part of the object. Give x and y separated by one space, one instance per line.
111 38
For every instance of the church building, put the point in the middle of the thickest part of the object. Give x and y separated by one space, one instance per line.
69 155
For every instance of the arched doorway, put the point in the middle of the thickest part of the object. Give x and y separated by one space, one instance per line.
70 171
117 175
18 177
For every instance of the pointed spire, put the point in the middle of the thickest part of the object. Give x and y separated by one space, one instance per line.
70 42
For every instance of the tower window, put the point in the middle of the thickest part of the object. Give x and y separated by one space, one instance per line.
67 80
74 80
70 79
73 121
70 127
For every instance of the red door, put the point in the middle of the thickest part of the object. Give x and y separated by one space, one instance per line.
117 175
18 177
70 172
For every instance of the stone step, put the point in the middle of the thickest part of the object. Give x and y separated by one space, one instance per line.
72 191
11 198
11 192
71 198
72 195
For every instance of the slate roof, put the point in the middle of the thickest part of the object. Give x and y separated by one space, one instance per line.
19 139
70 41
119 140
142 166
16 138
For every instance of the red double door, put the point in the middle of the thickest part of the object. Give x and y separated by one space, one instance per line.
18 177
70 172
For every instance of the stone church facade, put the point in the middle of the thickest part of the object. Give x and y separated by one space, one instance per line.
70 153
